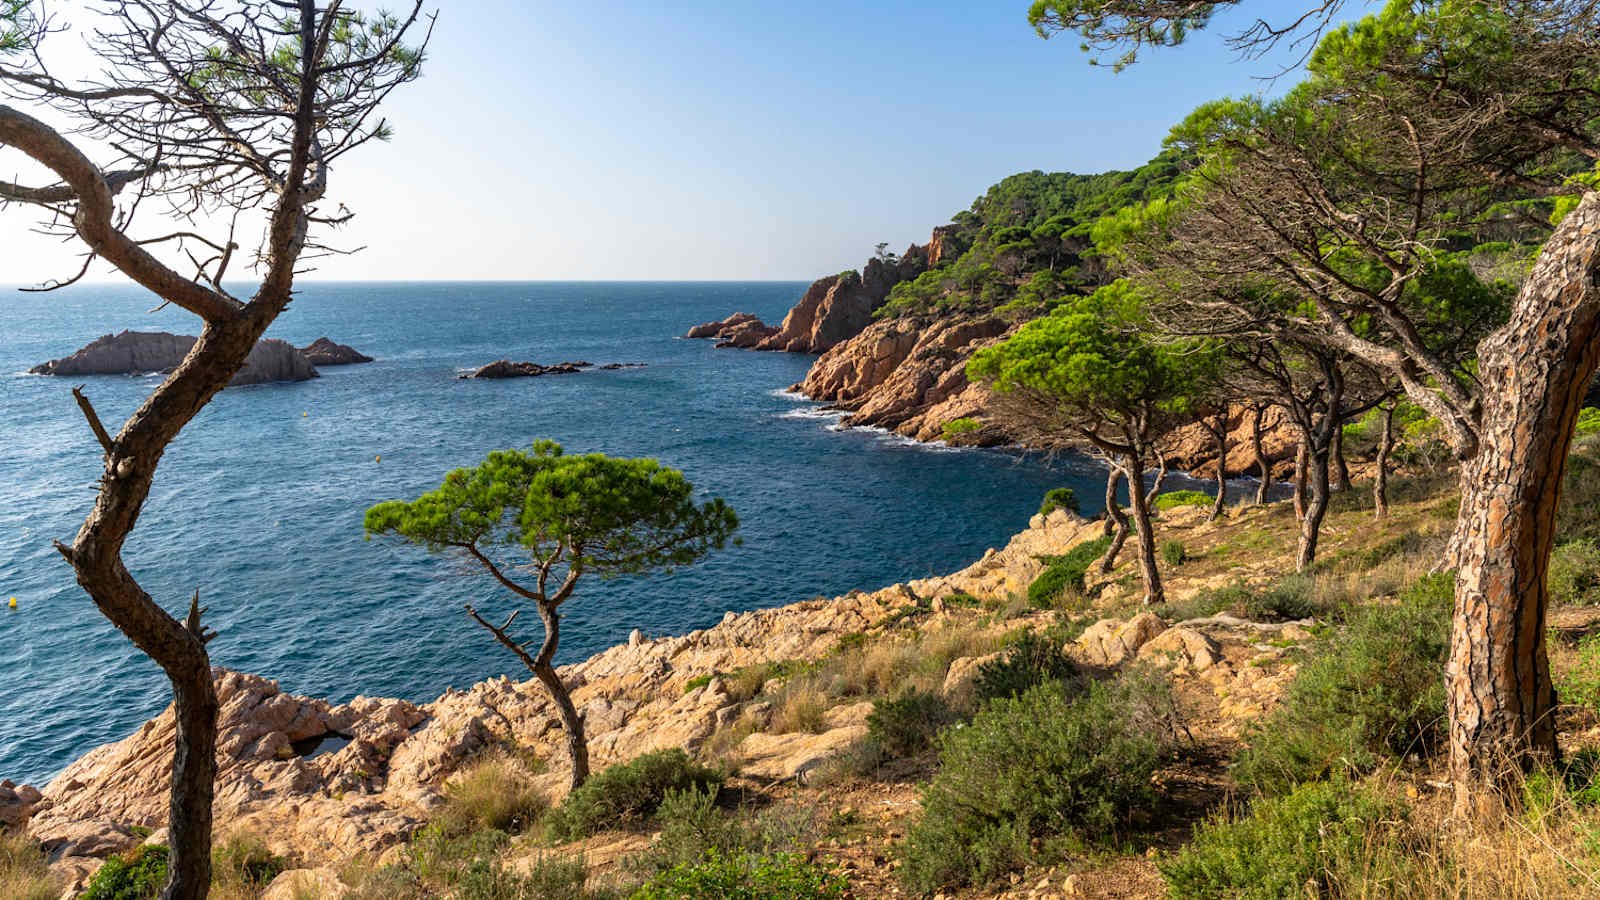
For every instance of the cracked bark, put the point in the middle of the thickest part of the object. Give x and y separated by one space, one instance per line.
1535 370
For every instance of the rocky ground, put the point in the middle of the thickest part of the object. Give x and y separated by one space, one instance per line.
325 784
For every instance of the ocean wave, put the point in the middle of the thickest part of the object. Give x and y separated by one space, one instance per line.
812 412
787 394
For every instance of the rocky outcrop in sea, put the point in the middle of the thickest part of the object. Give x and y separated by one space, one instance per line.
836 308
324 352
741 330
505 368
141 352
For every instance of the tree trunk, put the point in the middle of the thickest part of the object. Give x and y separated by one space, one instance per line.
194 777
1116 522
1341 469
1221 434
1380 484
1153 594
1113 509
1261 457
1535 370
545 671
1300 464
1316 506
1160 479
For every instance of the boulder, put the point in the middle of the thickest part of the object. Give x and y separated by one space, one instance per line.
794 755
140 352
1110 642
1192 649
294 884
324 352
959 678
16 804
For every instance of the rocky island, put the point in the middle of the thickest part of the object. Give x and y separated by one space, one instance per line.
146 352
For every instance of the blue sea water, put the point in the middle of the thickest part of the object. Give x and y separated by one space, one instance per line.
258 504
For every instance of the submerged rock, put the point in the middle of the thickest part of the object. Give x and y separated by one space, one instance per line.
324 352
505 368
141 352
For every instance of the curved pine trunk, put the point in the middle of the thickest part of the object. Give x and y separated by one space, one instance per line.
1534 370
571 722
1116 523
1301 463
194 778
1340 474
1261 457
1153 592
1316 506
1221 434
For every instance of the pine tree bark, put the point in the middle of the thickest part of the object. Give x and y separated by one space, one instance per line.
1261 456
1301 462
1220 432
1133 467
1340 471
1316 505
1116 522
1535 370
1380 484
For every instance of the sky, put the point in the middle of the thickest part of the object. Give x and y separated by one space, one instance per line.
749 141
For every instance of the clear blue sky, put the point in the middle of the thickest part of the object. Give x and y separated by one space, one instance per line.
735 141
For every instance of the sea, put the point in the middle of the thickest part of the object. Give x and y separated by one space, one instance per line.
258 504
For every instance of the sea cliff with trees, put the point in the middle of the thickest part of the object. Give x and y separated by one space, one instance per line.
1381 689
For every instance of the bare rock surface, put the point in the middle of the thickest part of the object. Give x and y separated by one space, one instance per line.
837 307
741 330
16 803
324 352
140 352
1110 642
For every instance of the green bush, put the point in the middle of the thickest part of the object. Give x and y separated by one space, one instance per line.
1175 499
1174 554
1289 598
1059 498
627 793
547 879
691 827
1297 845
1588 422
438 855
1370 691
245 860
1575 572
956 427
1033 776
135 875
907 724
1578 683
780 876
1065 571
1031 660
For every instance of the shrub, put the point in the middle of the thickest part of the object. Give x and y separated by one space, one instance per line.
1174 553
548 878
1065 571
691 827
627 793
436 855
1575 572
1578 683
1030 661
801 708
781 876
135 875
1175 499
1588 422
1059 498
1369 691
245 861
1040 767
1289 598
956 427
493 793
697 682
1297 845
23 874
860 758
1578 513
907 724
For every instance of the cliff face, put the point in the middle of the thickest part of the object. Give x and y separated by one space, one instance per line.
836 308
908 376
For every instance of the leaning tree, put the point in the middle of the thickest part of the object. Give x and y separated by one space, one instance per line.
557 517
200 112
1504 92
1086 370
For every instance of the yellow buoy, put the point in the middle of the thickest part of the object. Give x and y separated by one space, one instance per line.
13 603
377 459
302 415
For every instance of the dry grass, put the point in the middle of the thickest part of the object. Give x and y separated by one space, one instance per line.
494 792
23 875
799 708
